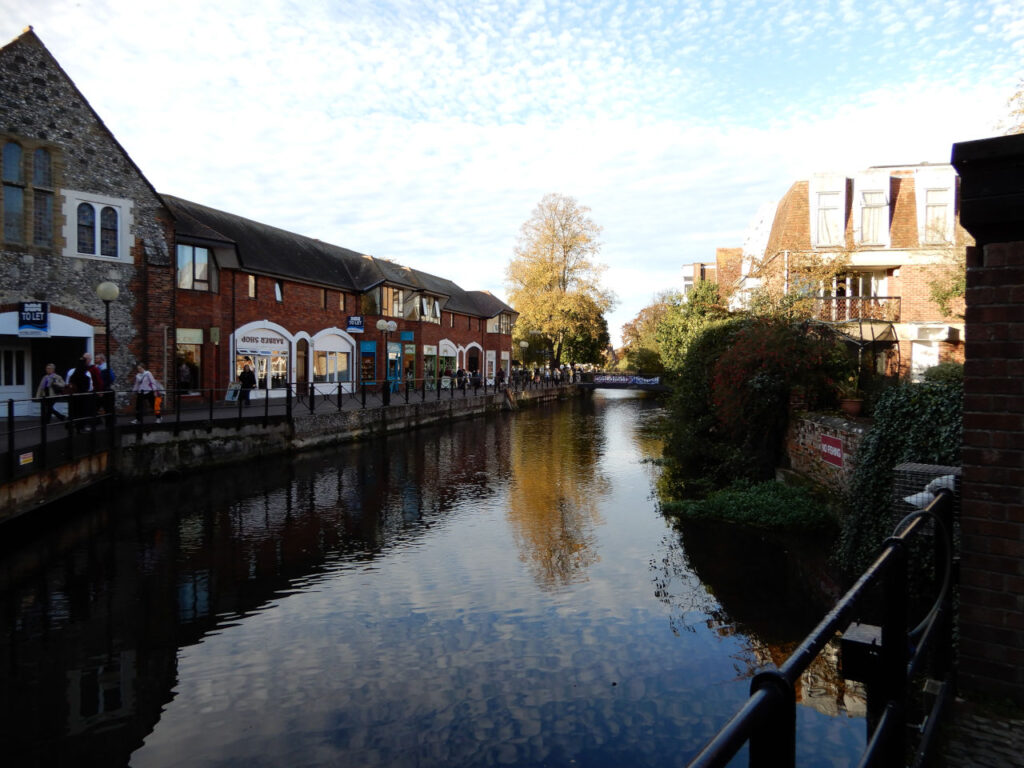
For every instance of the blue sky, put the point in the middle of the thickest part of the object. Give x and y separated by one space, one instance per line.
426 132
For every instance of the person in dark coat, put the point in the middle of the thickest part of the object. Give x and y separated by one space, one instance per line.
247 378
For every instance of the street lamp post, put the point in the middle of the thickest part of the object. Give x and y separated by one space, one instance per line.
386 327
107 292
524 345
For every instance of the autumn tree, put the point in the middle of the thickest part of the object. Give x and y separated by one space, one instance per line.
1014 122
553 278
640 336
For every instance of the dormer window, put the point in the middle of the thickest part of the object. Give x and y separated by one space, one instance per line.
430 310
827 194
935 187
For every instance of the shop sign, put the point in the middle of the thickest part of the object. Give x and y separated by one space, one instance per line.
355 324
34 319
189 335
832 450
25 459
259 343
429 349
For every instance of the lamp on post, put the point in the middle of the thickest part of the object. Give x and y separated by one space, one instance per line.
108 292
386 327
524 345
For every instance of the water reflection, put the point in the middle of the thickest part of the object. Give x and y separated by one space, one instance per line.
469 595
553 498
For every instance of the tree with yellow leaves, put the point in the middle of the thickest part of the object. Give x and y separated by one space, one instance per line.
553 278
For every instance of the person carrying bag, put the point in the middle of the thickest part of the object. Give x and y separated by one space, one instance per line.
51 386
146 389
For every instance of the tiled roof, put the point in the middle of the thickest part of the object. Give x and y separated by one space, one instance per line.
269 250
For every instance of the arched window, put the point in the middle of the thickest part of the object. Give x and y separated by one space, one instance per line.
42 210
108 232
86 228
14 193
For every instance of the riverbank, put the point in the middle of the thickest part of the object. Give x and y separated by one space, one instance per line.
45 464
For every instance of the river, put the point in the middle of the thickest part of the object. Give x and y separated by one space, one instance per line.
501 591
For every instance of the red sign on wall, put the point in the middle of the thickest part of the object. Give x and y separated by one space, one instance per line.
832 450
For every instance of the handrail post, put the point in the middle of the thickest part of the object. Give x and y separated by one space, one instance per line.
266 404
288 404
942 650
773 738
10 437
891 685
341 396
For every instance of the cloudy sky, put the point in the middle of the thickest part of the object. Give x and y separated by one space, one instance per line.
426 131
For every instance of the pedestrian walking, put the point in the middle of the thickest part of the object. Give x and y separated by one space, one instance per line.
51 386
81 405
146 388
248 381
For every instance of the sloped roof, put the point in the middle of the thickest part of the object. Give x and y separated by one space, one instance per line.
269 250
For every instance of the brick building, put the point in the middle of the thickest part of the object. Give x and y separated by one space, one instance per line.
897 229
201 292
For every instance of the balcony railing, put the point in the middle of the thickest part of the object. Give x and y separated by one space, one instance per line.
841 309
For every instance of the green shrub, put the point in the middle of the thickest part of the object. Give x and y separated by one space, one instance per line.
913 423
945 373
769 505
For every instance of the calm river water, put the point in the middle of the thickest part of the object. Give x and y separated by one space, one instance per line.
500 591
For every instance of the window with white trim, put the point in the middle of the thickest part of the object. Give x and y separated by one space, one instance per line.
97 226
430 310
830 220
874 222
936 215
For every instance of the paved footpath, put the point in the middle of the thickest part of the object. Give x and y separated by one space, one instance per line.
975 737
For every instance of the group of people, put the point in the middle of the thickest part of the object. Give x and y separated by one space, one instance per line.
95 378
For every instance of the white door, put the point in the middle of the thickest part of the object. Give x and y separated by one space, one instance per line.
14 377
923 355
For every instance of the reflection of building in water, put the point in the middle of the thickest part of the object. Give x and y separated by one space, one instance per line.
101 694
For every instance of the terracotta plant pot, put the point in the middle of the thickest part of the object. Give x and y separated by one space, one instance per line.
851 406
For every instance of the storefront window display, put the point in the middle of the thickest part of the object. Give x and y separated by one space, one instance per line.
188 369
409 363
430 365
331 366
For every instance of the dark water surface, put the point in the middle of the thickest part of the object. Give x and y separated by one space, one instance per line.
500 591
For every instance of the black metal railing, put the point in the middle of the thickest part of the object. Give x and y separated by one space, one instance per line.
63 428
889 668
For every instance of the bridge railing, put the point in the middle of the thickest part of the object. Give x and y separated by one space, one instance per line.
889 668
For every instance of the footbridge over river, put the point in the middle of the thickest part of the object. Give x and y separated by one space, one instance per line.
623 381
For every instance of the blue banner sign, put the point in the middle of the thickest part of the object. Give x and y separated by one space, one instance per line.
34 319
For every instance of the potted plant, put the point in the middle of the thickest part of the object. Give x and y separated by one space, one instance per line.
851 400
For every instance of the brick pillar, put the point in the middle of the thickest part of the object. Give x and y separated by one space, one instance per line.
991 618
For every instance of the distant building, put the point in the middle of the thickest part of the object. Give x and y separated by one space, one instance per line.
897 228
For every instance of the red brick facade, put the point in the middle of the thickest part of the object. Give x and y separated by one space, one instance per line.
991 618
901 267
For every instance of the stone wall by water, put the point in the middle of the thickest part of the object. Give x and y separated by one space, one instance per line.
830 461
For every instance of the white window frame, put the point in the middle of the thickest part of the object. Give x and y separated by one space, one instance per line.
831 185
935 179
872 183
125 224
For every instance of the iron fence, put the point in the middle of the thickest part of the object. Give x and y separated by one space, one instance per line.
889 660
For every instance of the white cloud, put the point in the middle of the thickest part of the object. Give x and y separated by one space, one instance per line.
426 132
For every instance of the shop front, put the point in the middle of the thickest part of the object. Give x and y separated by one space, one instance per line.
29 339
266 350
430 374
333 355
447 362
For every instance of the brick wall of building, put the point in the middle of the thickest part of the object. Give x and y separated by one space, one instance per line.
992 523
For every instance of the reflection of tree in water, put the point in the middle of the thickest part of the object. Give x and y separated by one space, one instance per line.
554 494
743 586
